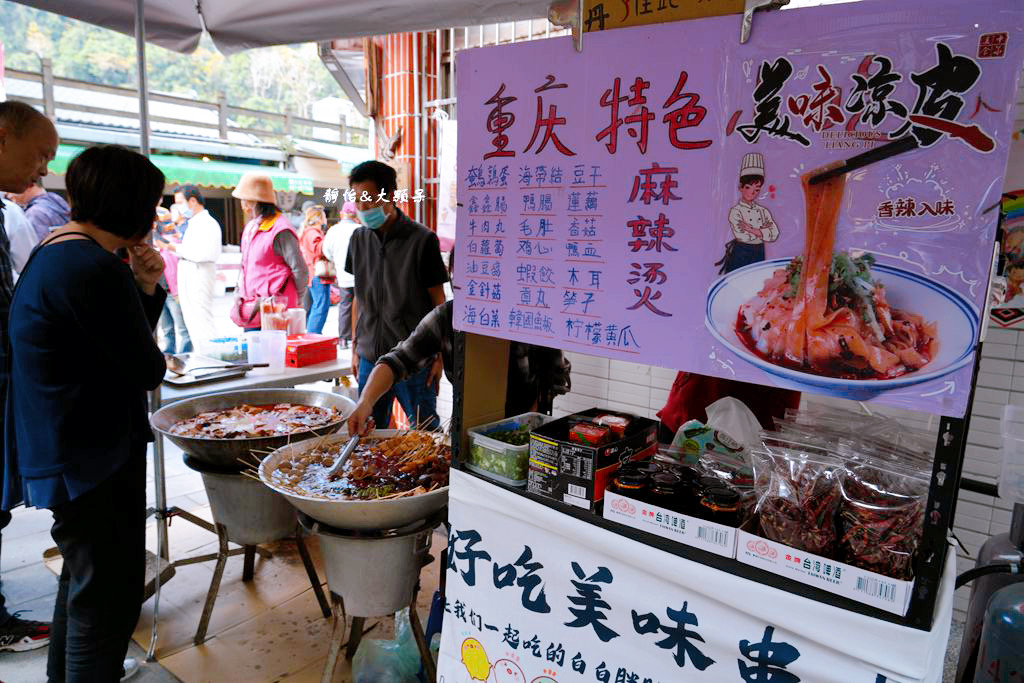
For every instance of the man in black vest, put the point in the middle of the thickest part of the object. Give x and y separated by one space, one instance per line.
399 278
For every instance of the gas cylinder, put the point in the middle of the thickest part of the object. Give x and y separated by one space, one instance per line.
999 549
1001 653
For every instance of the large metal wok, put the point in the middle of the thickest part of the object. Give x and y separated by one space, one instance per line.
229 452
358 515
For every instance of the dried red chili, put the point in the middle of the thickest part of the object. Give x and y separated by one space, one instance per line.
881 518
797 499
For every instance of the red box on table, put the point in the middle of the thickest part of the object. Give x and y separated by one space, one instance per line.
309 349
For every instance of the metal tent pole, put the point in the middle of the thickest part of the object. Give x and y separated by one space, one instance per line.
154 397
140 53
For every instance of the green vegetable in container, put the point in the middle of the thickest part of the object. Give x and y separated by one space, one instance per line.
515 437
512 466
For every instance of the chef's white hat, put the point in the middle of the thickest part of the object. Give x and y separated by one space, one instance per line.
753 164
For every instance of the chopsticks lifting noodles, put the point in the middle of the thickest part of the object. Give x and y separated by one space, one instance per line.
904 144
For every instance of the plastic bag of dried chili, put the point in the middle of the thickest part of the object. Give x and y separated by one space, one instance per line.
797 495
881 513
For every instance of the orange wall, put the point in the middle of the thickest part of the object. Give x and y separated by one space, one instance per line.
398 106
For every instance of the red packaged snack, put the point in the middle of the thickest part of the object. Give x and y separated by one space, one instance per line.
588 434
617 423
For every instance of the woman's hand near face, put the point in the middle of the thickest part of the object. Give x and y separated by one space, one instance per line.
147 265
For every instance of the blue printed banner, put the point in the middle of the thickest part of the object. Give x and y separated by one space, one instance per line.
535 596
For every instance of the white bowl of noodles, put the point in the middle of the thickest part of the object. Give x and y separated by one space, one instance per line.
958 325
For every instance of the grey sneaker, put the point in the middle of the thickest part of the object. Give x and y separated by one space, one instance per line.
130 667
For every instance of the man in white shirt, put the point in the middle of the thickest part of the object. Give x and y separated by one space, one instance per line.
335 249
197 267
752 224
21 234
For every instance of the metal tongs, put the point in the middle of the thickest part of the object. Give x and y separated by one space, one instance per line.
178 367
346 452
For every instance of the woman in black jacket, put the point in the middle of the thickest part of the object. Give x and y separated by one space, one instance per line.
77 428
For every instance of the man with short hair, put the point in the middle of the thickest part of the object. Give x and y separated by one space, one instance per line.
28 142
45 210
399 278
197 267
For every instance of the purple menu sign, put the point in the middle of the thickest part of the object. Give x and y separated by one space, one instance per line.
649 199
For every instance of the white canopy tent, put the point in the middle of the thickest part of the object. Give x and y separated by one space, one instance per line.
236 25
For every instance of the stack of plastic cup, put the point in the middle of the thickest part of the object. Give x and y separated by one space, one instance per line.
267 346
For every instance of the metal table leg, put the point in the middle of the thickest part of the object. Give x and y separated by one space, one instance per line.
211 596
337 633
421 641
249 563
314 579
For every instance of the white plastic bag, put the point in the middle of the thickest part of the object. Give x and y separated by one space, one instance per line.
733 417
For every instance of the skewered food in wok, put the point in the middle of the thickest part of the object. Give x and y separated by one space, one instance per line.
407 464
254 421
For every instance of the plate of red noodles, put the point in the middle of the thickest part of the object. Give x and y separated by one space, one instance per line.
838 321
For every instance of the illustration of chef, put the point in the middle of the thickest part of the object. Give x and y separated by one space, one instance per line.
752 224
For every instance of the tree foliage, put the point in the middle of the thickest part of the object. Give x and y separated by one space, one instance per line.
268 79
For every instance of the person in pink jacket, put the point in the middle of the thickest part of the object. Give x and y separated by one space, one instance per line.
272 262
311 241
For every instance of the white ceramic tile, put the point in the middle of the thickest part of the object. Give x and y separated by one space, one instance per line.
976 510
586 385
659 397
983 454
663 376
986 424
997 396
968 523
981 470
997 381
1000 336
1003 367
1000 351
634 373
976 497
986 409
630 393
1000 516
980 438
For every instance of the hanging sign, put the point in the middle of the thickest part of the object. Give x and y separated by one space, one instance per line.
535 596
602 15
660 203
447 182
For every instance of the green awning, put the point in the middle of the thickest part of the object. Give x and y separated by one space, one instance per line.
188 170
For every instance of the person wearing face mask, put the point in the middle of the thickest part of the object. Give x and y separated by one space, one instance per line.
197 267
272 262
399 278
181 211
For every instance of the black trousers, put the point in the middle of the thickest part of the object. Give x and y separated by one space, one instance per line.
103 540
5 519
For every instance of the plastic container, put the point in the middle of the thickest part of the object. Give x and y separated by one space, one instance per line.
232 349
1011 479
500 461
267 346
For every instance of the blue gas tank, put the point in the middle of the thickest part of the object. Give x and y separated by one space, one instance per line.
1001 653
